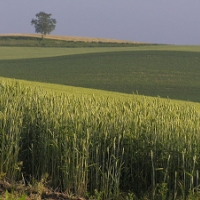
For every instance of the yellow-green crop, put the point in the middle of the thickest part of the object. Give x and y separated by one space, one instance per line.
98 143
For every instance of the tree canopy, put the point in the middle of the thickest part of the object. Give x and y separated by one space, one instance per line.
43 23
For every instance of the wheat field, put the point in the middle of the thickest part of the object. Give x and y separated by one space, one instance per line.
72 38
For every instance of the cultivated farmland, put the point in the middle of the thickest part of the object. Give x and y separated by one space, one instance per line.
96 143
168 74
101 144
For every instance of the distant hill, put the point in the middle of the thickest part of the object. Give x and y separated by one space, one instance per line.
69 38
62 41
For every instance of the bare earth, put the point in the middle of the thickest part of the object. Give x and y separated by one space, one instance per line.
33 193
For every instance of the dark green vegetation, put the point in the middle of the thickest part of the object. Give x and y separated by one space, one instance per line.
97 146
42 42
43 23
172 74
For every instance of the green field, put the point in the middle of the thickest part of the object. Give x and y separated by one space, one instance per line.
157 71
98 140
40 52
105 145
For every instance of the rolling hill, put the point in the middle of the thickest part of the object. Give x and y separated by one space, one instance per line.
70 123
165 71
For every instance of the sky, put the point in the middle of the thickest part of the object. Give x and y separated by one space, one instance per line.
153 21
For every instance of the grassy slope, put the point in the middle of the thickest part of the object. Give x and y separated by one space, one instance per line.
39 52
151 70
173 74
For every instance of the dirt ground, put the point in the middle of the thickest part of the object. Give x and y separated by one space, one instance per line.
16 191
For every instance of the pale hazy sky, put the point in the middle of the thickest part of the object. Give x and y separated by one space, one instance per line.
156 21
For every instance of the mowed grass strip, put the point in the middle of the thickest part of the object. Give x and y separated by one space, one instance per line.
153 73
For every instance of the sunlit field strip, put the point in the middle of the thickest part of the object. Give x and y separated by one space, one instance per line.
39 52
79 91
68 38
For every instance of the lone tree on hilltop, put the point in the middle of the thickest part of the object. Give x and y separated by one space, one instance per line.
44 24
